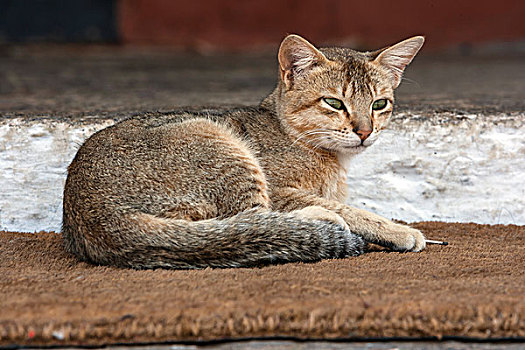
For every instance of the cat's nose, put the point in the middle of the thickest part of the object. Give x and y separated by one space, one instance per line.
363 133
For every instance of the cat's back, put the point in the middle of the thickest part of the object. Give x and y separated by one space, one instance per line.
142 146
153 132
146 132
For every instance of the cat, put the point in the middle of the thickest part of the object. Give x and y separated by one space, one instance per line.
247 187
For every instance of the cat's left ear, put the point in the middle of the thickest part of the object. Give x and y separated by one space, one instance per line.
396 57
296 57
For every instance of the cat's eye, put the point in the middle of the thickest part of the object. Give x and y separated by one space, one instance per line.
379 104
334 103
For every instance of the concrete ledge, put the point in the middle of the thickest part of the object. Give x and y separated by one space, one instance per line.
442 167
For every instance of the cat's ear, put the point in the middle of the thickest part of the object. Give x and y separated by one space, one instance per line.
296 56
396 57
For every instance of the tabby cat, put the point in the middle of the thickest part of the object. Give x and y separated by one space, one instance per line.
246 187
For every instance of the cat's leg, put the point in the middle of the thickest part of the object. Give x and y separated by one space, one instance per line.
373 228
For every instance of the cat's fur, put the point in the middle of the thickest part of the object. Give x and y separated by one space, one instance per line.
248 187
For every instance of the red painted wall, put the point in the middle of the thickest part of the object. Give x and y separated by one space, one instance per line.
239 24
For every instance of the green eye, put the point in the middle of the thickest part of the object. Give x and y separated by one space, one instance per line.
334 103
379 104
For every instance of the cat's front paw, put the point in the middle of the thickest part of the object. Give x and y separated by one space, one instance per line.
405 239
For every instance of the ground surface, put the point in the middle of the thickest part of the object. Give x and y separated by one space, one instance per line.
472 288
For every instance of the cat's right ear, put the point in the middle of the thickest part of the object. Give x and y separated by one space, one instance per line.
396 57
296 56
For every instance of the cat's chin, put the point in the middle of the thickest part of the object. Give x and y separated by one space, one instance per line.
351 150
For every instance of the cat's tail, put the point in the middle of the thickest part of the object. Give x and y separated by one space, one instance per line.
250 238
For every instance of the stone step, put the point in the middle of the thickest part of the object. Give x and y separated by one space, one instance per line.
435 167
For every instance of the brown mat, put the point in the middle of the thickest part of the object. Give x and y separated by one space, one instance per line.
474 287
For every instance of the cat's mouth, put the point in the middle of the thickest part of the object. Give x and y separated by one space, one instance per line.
354 147
337 144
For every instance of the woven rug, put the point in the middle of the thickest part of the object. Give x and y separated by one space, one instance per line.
473 288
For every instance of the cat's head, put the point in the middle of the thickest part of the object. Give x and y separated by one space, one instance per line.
338 99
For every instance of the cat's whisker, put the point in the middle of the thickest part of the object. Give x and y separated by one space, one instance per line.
310 133
301 135
320 142
314 131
